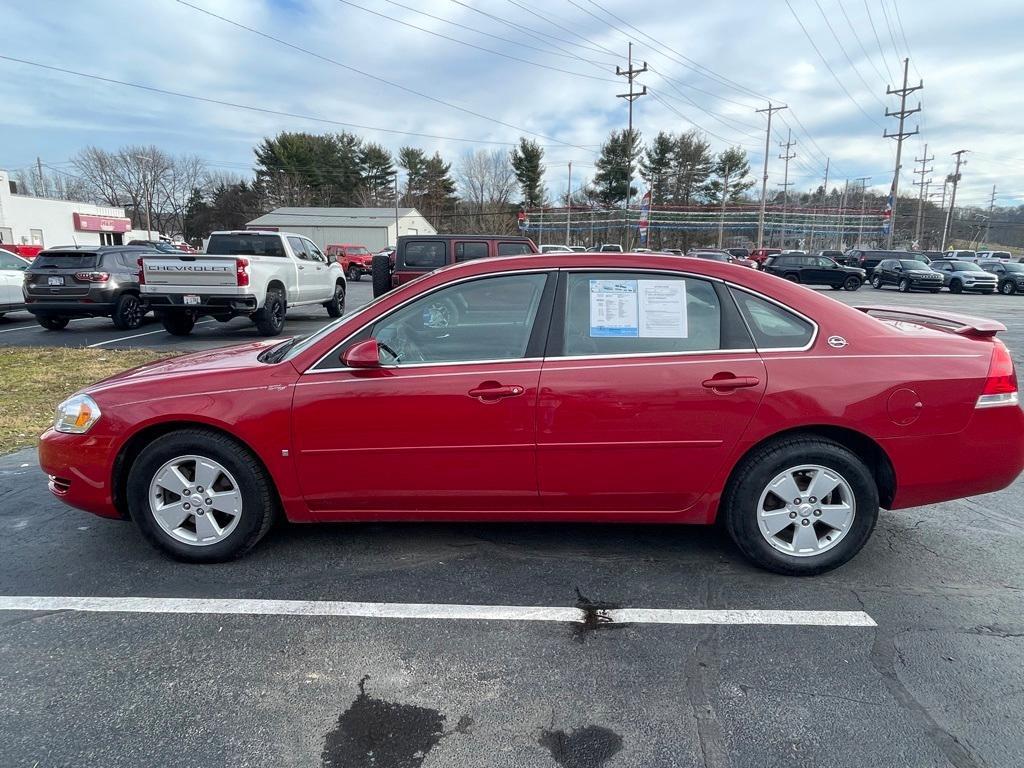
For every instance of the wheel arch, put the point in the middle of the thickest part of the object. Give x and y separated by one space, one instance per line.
866 448
276 283
143 437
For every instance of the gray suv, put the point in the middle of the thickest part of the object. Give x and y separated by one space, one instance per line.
960 276
101 281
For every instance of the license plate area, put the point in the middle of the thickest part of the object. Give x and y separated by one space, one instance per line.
55 281
190 299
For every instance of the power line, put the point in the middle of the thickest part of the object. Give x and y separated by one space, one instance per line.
379 79
888 24
871 21
856 36
562 27
847 55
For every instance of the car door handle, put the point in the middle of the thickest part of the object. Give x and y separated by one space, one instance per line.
730 382
495 393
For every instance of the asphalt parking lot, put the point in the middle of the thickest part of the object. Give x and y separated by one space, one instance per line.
935 679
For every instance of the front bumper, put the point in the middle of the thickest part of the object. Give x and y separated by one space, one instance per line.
80 468
980 286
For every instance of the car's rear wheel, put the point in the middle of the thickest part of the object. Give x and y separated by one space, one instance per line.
853 283
269 319
178 323
801 506
380 271
793 277
199 496
128 312
904 286
353 273
336 306
956 287
53 322
1008 288
876 282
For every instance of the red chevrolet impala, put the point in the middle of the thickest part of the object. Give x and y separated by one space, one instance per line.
589 387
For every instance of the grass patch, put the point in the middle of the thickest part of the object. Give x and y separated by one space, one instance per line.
33 380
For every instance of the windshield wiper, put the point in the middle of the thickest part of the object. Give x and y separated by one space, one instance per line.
276 354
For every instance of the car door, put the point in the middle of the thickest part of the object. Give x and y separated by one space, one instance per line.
448 422
306 272
321 286
649 381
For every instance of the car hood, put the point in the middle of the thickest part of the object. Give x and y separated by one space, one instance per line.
922 273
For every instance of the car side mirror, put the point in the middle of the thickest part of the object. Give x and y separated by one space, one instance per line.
362 355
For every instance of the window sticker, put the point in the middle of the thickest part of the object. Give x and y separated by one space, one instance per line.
614 308
663 309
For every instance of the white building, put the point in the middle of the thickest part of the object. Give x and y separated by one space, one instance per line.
373 227
27 220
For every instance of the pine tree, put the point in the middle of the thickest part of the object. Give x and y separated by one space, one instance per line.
526 161
378 174
618 154
656 167
730 173
414 162
691 166
439 192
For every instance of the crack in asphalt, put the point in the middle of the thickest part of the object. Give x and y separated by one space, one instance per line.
704 663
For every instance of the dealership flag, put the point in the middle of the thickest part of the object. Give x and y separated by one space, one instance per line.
645 213
887 216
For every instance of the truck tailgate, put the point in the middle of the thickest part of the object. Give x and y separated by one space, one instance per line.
190 271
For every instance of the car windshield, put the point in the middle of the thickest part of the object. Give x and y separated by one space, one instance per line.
907 264
245 244
1013 267
359 251
966 266
66 260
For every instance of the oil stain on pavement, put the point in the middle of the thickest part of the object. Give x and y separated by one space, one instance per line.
595 617
373 733
589 747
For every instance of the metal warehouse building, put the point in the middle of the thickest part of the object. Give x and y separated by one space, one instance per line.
373 227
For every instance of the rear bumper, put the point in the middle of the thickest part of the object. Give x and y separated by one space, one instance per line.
69 307
987 456
80 471
208 305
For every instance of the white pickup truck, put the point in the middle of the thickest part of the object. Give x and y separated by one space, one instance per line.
253 273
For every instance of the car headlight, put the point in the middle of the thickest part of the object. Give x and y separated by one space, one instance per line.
76 415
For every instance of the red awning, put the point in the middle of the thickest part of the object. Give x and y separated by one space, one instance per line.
88 222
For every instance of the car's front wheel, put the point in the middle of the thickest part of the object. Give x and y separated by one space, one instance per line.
353 273
956 286
199 496
904 286
876 282
853 283
801 506
1008 288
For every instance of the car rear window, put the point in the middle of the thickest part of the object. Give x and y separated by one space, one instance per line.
1000 255
772 326
468 251
245 245
69 260
425 254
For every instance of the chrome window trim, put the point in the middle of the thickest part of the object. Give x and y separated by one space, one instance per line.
801 315
418 296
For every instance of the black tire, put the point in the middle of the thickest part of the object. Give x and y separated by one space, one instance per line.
1008 288
380 272
904 286
269 319
836 287
793 277
353 273
752 476
53 322
956 287
128 312
853 283
259 499
876 282
336 306
178 323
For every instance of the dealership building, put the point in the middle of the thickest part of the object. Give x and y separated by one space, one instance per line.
40 221
375 228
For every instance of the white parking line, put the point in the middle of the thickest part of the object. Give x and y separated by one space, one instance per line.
37 327
442 611
137 335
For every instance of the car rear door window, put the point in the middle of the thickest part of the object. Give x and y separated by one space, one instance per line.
425 254
615 313
513 249
485 319
298 246
771 325
468 251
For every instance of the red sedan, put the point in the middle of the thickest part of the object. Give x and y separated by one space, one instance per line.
559 387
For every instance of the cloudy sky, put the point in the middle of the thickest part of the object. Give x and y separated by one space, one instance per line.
479 73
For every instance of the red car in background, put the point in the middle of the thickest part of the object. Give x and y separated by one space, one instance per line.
25 251
760 254
562 387
355 260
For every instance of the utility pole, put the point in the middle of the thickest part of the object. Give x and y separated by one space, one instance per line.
630 74
842 215
764 180
42 180
902 113
786 157
991 207
396 210
863 195
922 191
568 206
824 197
955 179
725 196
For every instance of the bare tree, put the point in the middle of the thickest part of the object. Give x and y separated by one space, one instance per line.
487 183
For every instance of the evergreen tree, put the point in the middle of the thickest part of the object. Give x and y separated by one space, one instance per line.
439 192
414 162
299 169
526 162
656 167
730 174
378 174
691 166
618 154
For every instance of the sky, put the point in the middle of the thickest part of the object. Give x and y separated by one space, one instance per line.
494 70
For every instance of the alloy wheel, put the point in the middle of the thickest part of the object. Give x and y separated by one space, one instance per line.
195 500
806 510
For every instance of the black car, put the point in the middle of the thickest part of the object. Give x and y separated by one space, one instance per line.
102 281
906 275
814 270
869 259
739 253
837 256
1010 276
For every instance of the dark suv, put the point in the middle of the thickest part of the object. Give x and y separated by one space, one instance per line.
418 254
814 270
70 281
906 275
1010 276
868 260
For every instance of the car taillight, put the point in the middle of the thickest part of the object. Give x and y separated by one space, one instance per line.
1001 384
92 277
241 271
142 272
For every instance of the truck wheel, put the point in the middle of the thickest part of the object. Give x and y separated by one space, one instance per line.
380 270
178 323
128 312
53 322
353 273
852 283
336 306
269 319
